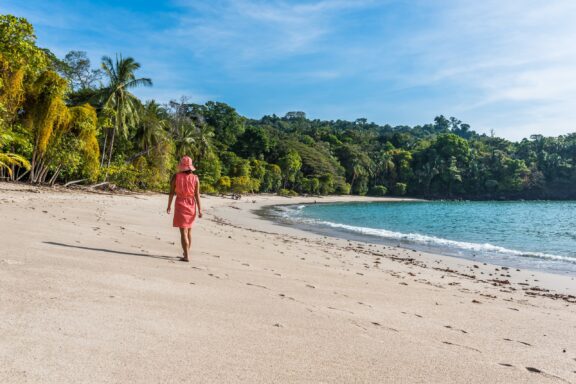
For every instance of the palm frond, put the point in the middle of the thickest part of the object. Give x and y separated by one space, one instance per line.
7 160
144 81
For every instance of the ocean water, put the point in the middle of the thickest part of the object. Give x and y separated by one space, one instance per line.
538 235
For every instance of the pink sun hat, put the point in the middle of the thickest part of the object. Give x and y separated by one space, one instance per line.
186 164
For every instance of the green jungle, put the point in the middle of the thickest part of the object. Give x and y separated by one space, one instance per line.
62 121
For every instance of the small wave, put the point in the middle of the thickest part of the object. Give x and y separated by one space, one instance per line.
440 242
288 211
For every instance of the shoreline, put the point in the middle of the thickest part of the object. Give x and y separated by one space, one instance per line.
92 292
563 283
477 256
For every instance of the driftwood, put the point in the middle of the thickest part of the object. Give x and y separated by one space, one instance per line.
74 182
99 184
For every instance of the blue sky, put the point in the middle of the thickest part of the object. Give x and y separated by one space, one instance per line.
506 65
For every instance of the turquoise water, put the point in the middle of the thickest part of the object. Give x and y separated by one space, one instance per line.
537 235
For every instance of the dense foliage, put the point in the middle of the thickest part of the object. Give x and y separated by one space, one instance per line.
62 120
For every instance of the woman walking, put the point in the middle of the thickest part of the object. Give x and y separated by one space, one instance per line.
186 186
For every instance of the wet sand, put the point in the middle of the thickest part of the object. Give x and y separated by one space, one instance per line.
91 291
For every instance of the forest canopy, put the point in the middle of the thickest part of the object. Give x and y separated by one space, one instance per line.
62 120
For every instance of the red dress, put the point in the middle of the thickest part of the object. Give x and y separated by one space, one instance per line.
185 206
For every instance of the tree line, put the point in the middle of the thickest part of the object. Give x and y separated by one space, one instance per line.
61 120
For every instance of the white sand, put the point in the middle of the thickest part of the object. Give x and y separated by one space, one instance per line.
91 292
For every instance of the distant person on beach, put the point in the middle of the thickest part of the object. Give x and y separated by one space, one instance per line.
186 186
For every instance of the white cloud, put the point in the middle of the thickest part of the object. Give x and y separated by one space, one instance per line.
252 31
513 61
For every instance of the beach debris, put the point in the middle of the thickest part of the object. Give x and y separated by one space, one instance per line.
554 296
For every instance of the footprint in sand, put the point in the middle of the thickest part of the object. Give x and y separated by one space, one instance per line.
462 346
380 325
257 285
455 329
521 342
536 370
342 310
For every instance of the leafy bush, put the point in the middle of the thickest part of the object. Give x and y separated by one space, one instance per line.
208 189
400 189
224 184
287 193
272 179
343 188
241 184
378 190
124 175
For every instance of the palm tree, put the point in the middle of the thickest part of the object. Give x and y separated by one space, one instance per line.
185 138
116 100
204 135
383 166
152 127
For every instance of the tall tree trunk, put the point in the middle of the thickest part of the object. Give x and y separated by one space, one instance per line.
55 175
43 173
12 175
110 154
107 132
33 166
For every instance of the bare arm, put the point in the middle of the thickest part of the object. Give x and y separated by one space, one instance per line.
197 196
171 195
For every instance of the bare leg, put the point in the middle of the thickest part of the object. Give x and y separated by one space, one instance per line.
185 242
189 238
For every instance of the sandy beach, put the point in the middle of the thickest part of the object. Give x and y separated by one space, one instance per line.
91 291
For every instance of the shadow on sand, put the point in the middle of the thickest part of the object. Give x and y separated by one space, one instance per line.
112 251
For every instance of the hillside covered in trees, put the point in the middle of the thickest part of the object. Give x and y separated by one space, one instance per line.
62 120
